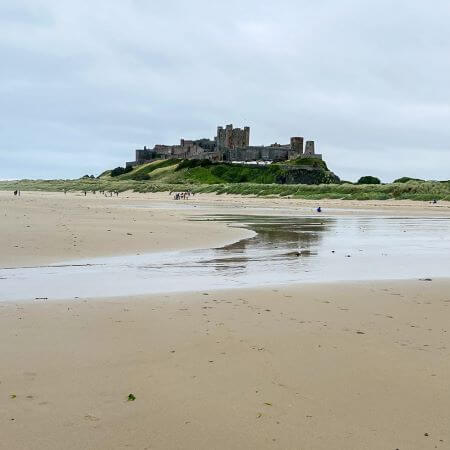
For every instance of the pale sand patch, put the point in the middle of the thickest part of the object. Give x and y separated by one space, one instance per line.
342 366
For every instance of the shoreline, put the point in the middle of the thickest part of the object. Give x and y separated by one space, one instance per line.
46 228
231 290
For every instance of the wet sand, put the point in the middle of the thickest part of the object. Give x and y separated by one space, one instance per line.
284 250
49 227
345 365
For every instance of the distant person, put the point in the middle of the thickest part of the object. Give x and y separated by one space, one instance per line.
434 201
319 209
15 193
85 193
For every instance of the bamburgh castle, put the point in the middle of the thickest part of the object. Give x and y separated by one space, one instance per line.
231 145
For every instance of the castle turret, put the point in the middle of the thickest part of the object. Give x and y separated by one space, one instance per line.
229 136
220 139
309 148
247 136
297 145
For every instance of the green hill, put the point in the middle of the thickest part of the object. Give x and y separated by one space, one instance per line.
195 171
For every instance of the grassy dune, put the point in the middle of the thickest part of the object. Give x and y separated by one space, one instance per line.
413 190
202 176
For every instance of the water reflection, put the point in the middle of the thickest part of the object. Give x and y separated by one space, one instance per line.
276 238
283 250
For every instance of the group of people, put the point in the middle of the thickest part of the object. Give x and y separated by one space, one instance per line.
105 193
182 195
16 192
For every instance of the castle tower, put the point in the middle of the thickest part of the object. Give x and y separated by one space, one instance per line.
229 136
309 148
246 136
232 137
297 145
220 139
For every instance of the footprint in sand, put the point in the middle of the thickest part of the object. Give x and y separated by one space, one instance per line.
91 418
30 374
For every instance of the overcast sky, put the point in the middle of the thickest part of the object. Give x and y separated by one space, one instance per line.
82 84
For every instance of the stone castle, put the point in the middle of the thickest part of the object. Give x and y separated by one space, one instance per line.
230 145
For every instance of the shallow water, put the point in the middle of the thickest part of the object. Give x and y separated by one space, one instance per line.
284 250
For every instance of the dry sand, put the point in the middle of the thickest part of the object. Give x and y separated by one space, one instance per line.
40 228
330 366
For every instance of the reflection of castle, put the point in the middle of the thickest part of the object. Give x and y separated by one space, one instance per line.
230 144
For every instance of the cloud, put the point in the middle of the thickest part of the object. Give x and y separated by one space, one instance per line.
83 84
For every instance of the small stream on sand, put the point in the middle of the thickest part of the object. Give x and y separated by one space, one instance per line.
284 250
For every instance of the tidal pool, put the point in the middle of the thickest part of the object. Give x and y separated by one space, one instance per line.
283 250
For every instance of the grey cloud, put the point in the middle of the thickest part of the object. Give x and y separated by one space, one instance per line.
83 84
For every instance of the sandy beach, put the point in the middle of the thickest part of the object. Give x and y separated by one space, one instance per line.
48 227
349 365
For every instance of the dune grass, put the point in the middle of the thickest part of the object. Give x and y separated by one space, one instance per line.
226 178
412 190
145 171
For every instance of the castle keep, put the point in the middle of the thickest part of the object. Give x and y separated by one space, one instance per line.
230 144
232 137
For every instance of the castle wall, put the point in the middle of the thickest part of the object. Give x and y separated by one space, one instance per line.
230 144
257 153
143 155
